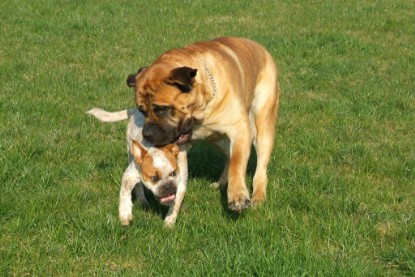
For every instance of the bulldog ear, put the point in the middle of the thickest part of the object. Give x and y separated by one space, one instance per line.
138 152
131 79
183 78
173 149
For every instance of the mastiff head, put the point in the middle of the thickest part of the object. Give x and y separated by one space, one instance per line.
168 97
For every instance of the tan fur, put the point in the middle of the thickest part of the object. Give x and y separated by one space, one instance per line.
242 112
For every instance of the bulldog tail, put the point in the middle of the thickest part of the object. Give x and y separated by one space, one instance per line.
105 116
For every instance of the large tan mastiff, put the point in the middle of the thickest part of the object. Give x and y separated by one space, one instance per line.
224 91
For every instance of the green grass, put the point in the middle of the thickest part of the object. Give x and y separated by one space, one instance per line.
341 195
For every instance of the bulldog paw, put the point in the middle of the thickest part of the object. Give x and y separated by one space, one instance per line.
217 185
169 222
126 219
239 204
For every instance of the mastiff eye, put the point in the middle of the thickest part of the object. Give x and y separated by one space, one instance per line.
160 110
155 178
173 174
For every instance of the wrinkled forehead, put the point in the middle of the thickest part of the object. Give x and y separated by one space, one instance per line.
153 89
153 78
164 97
159 95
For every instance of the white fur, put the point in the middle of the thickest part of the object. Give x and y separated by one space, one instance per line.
105 116
132 175
160 161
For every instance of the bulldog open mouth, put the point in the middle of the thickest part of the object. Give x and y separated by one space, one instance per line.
166 200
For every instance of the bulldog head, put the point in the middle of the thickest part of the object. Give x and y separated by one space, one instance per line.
159 170
169 98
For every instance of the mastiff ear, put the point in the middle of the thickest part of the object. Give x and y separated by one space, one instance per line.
183 78
131 79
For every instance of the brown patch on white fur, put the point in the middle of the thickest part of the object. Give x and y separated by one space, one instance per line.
150 169
168 166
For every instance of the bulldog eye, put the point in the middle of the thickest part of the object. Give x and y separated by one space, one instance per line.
173 174
155 178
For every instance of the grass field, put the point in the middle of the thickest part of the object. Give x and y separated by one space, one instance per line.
341 195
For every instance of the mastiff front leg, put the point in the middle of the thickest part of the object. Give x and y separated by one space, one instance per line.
238 196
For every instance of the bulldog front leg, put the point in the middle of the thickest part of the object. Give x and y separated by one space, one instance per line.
129 180
174 208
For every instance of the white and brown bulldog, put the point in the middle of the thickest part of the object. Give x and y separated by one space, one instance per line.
223 91
162 170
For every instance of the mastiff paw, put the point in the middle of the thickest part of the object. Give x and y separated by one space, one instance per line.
257 200
239 206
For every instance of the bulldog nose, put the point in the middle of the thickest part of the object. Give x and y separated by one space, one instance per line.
169 187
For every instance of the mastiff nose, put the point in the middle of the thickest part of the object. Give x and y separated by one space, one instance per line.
158 134
149 131
154 133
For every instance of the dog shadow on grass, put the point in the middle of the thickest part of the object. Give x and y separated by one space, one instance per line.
205 162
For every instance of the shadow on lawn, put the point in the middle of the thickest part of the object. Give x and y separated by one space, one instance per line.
207 163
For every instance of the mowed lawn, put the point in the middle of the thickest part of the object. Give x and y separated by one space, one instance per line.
341 193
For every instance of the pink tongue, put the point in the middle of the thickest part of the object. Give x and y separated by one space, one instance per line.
182 138
167 199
